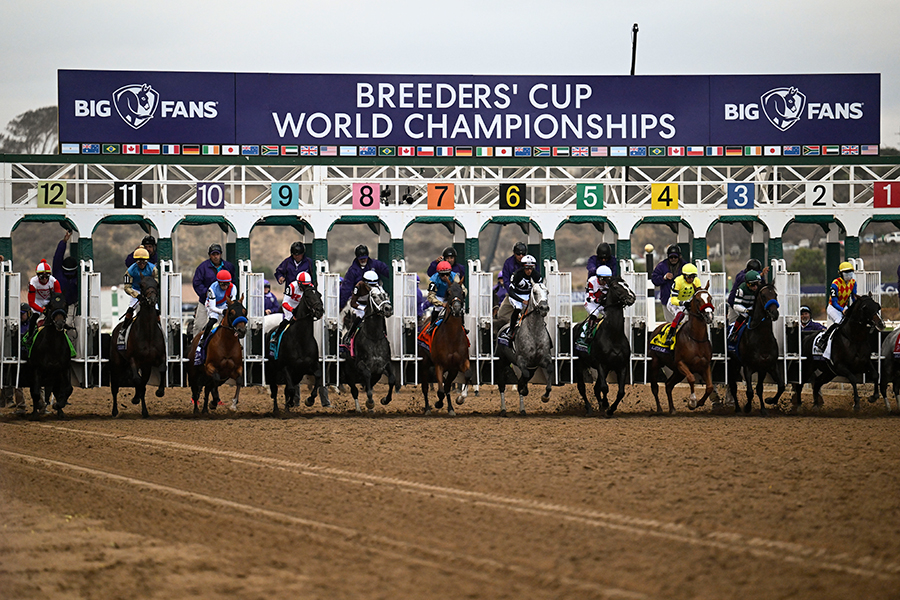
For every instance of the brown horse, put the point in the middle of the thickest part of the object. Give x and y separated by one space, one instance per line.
692 354
224 358
449 353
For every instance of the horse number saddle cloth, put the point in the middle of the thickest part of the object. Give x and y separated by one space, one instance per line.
30 339
584 340
200 354
425 336
275 342
734 337
897 347
662 341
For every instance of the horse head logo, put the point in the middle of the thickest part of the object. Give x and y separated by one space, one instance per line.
136 103
783 106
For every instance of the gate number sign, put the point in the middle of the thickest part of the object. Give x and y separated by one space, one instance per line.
663 196
887 194
286 195
127 194
441 196
590 196
51 194
210 195
741 195
512 196
820 194
366 196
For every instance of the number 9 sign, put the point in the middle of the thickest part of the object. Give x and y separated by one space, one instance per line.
286 195
366 196
512 196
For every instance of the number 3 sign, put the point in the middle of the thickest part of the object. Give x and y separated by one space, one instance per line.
366 196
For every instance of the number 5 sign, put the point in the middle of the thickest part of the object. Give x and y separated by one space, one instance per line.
590 196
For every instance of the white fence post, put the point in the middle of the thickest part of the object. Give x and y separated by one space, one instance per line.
11 358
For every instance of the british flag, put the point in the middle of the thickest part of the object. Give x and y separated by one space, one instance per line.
850 150
579 151
309 150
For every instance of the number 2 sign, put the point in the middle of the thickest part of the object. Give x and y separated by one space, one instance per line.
366 196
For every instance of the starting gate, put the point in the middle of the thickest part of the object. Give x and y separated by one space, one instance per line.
251 286
172 323
402 326
787 329
559 321
11 339
88 361
480 320
869 282
328 334
636 323
718 331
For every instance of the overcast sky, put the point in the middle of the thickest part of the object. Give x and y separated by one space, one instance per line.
521 37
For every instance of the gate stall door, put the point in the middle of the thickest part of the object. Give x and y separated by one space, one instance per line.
636 319
88 347
480 321
787 328
403 324
11 357
559 321
869 282
718 331
251 286
328 333
170 318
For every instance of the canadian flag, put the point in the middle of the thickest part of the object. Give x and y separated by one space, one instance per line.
407 151
131 149
676 150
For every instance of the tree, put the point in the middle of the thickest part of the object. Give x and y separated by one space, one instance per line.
33 132
811 263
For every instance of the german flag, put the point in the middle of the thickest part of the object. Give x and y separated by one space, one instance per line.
734 150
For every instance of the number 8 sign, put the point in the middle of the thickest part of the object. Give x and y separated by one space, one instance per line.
366 196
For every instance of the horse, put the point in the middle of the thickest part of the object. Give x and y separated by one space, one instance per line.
448 355
692 353
49 359
891 368
145 349
298 355
757 352
530 351
372 352
850 353
610 350
224 358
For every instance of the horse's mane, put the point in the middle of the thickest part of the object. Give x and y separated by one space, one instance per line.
455 290
852 309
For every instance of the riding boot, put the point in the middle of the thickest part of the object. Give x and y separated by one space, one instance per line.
734 330
352 331
206 330
129 316
513 323
435 313
674 329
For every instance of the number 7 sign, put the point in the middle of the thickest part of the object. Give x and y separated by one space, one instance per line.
887 194
441 196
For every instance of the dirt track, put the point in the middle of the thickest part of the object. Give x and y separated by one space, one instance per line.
327 504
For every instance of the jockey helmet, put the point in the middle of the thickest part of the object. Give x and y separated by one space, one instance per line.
754 265
266 283
689 269
223 276
70 265
304 278
298 248
141 254
449 251
845 266
604 251
528 260
520 248
673 250
24 308
43 267
361 250
370 276
751 277
214 248
604 271
443 267
148 240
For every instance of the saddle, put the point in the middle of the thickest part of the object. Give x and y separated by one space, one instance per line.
662 342
427 334
31 338
583 341
200 355
734 337
275 342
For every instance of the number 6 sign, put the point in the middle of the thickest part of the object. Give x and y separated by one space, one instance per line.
366 196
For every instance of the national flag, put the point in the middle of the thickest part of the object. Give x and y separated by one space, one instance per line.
368 150
810 151
831 150
291 150
269 150
637 151
70 149
676 150
210 150
250 150
752 150
484 151
111 149
443 151
772 151
542 150
505 151
463 151
618 151
522 151
599 151
734 150
230 150
90 148
869 149
715 151
560 150
656 151
791 150
387 150
328 150
695 150
304 150
172 149
136 149
850 150
425 151
407 150
580 151
150 149
347 151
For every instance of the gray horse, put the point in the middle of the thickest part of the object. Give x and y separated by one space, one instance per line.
529 352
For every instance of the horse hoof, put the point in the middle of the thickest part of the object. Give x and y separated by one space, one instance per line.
234 406
608 414
451 413
522 412
747 409
160 393
145 414
385 401
326 403
428 412
546 398
771 401
310 401
503 413
763 412
692 404
115 412
135 400
873 399
439 404
461 400
370 404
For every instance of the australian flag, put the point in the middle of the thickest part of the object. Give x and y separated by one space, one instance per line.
368 150
90 148
637 151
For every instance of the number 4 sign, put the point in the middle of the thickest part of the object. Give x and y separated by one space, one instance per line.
887 194
663 196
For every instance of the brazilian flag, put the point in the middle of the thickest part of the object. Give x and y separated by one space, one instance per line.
387 150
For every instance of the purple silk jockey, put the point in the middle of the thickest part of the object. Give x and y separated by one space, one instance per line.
358 268
603 257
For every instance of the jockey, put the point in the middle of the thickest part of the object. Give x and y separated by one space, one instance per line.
297 262
663 277
438 285
359 300
512 264
149 244
519 290
40 288
806 322
361 265
217 298
841 294
294 294
204 277
271 302
603 257
449 256
744 300
752 265
595 292
683 290
140 268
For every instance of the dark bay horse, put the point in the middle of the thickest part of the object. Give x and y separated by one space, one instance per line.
610 350
49 360
530 351
298 355
372 351
692 354
850 353
449 354
145 349
224 358
758 353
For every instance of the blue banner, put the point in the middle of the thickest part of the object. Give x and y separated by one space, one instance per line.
463 110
